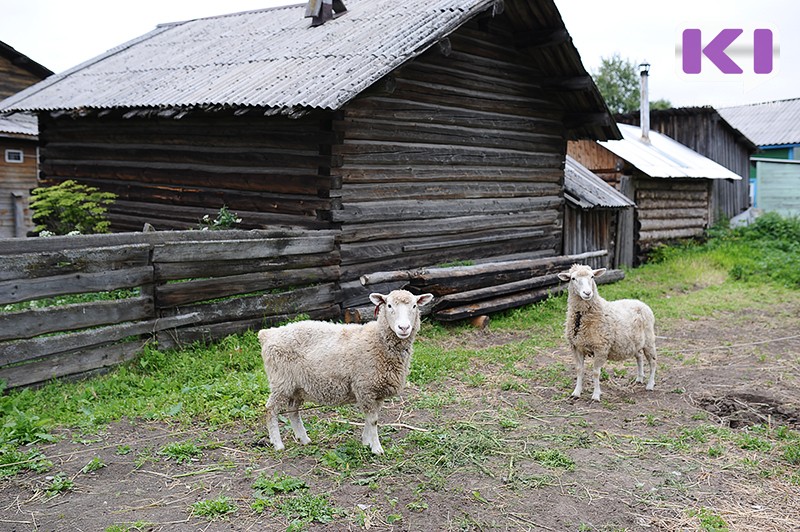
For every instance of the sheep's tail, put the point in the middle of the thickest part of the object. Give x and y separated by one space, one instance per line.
262 336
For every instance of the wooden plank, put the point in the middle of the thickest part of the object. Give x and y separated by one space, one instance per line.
175 338
402 210
165 271
354 232
70 364
24 350
18 290
31 323
87 260
175 294
15 246
455 242
458 190
489 292
231 250
429 275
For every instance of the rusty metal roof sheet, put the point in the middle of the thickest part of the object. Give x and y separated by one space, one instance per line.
767 124
664 157
585 189
273 59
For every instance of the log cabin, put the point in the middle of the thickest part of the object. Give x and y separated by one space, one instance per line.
426 131
18 165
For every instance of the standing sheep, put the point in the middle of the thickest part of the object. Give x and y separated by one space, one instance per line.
335 364
606 330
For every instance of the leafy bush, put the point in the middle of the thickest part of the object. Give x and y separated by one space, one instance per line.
767 249
69 207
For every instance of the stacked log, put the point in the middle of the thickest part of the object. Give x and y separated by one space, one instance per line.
464 292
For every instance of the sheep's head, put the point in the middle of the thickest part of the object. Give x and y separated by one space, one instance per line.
581 280
401 310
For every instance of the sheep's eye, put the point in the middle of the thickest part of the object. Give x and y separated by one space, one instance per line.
389 305
415 306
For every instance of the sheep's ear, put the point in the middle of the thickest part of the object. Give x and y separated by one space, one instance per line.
424 299
564 276
598 273
377 299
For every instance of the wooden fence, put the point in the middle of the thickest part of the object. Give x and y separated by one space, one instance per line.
78 304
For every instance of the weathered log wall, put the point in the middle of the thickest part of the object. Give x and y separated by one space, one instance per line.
170 172
105 296
671 209
457 156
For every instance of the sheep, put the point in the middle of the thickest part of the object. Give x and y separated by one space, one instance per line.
335 364
606 330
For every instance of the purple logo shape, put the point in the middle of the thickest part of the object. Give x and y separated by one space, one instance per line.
693 51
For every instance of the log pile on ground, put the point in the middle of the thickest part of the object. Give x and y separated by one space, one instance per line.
464 292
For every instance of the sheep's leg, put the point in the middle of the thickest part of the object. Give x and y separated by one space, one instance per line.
274 404
599 362
297 423
650 353
579 358
639 367
370 434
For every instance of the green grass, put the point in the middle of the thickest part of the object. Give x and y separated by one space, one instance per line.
223 385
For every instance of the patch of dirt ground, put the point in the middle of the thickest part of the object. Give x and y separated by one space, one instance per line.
710 446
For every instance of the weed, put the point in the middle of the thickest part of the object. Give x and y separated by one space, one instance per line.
13 461
59 484
553 459
130 527
791 453
181 452
278 483
213 509
709 521
301 509
93 465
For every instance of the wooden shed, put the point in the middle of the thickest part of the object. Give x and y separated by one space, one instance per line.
670 183
597 216
705 131
426 131
18 168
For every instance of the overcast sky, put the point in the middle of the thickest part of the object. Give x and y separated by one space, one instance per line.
60 34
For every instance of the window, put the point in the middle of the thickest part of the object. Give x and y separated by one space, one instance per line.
14 156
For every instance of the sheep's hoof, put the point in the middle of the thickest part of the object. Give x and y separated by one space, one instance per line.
305 441
378 450
596 397
278 446
650 387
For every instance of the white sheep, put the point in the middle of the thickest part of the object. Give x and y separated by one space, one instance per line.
335 364
606 330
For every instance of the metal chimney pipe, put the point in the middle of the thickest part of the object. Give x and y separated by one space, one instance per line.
644 105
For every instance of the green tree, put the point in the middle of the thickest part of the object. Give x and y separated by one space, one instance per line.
618 81
69 206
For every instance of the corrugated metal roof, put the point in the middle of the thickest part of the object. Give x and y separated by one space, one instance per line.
663 156
19 125
586 190
273 58
768 123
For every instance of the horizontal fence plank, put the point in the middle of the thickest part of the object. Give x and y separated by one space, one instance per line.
75 363
19 290
87 260
31 323
167 271
172 295
173 338
24 350
293 301
241 249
